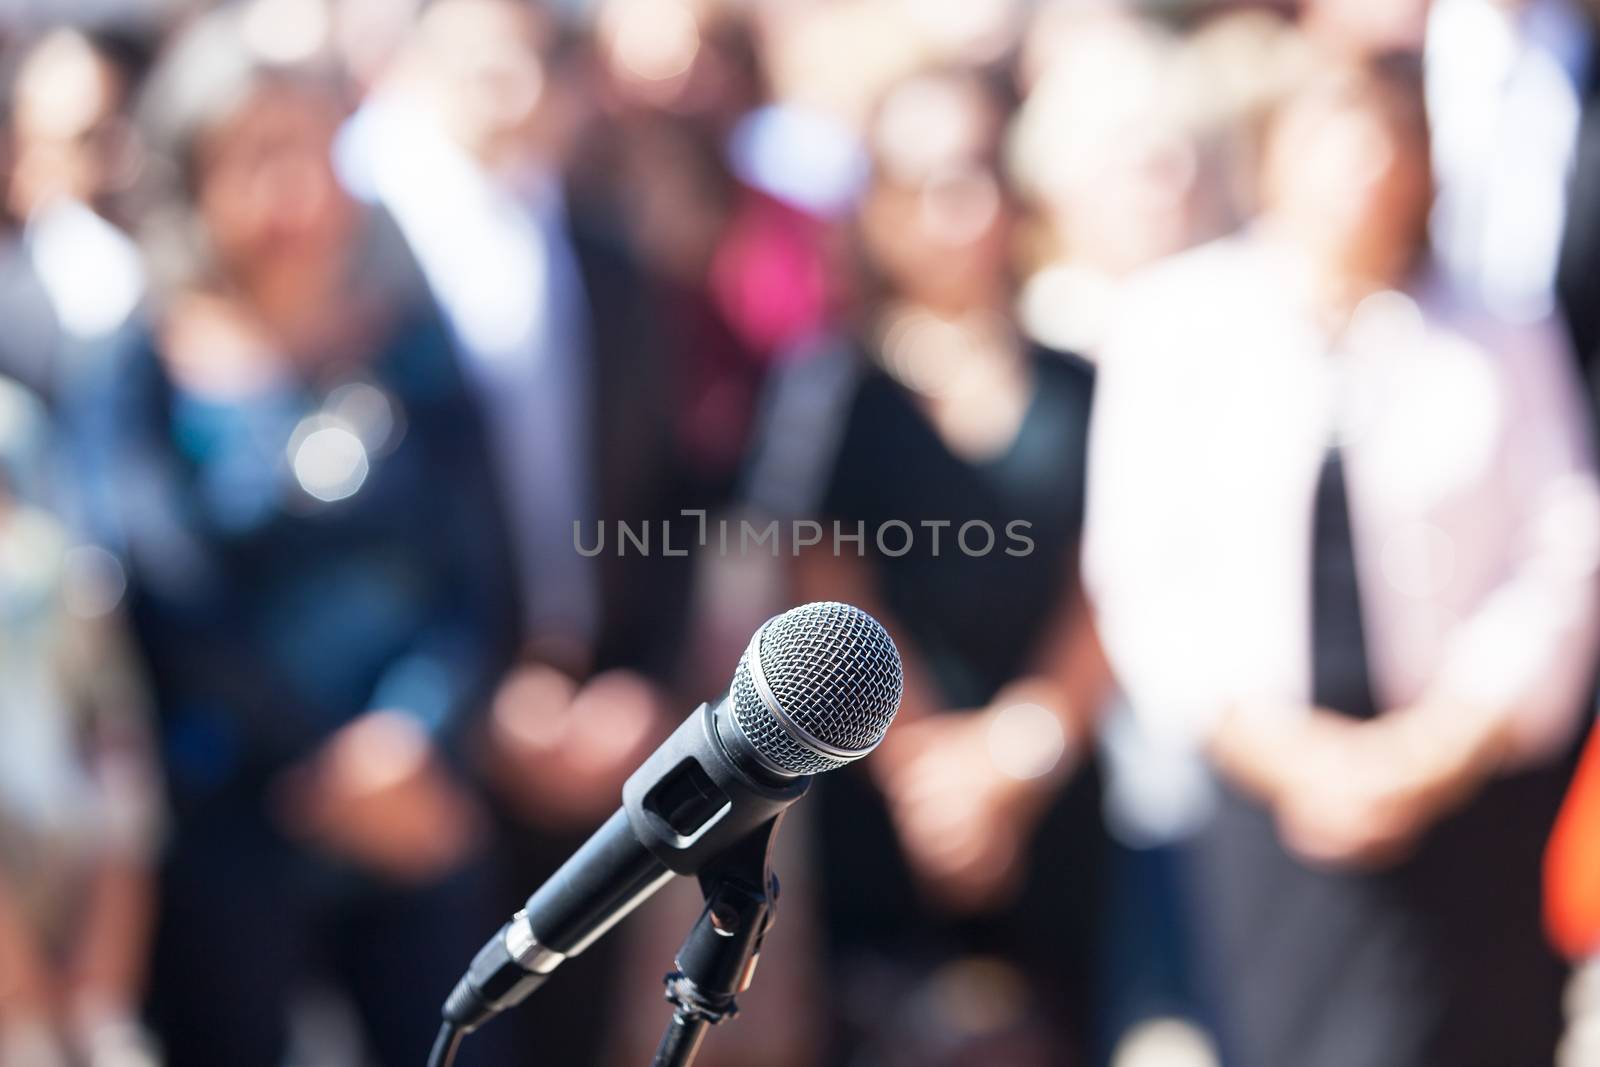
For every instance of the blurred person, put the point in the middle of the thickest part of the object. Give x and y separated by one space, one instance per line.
293 472
1122 147
1507 82
1578 262
1343 536
953 864
738 269
833 62
78 809
465 142
1353 28
1512 89
461 141
734 276
1238 65
698 59
1103 146
369 34
1512 86
976 33
1055 28
736 242
74 277
466 139
1108 145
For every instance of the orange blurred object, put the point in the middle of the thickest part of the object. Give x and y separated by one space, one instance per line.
1572 863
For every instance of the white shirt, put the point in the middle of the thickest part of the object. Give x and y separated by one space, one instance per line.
503 271
1475 509
1504 103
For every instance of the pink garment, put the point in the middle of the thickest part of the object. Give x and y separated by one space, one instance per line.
770 275
1474 501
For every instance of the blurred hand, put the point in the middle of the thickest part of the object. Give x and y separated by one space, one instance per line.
1354 793
963 824
1375 788
377 794
28 987
104 969
559 753
106 1039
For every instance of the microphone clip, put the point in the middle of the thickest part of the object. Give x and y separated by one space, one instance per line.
718 958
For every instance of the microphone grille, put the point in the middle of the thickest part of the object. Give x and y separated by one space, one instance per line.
817 688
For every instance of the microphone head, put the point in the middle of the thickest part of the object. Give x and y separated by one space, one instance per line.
817 688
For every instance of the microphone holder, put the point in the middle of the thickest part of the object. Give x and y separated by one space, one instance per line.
718 958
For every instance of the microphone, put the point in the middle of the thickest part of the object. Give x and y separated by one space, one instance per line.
815 690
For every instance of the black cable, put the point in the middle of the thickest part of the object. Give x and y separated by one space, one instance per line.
445 1046
494 982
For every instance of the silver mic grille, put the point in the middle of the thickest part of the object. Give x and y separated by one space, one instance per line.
817 688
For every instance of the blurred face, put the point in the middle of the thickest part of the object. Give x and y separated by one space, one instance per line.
1359 27
1124 190
66 126
679 210
1105 146
1348 177
485 64
1134 204
267 191
936 221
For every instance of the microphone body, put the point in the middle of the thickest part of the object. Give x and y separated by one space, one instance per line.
816 689
686 803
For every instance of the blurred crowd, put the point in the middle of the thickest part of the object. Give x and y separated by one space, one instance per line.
409 408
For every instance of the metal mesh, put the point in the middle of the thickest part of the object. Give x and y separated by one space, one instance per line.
835 674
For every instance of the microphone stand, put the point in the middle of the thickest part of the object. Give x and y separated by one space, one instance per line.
718 958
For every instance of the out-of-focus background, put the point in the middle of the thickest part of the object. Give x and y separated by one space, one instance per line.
409 408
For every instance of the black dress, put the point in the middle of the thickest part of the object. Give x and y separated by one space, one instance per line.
976 619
